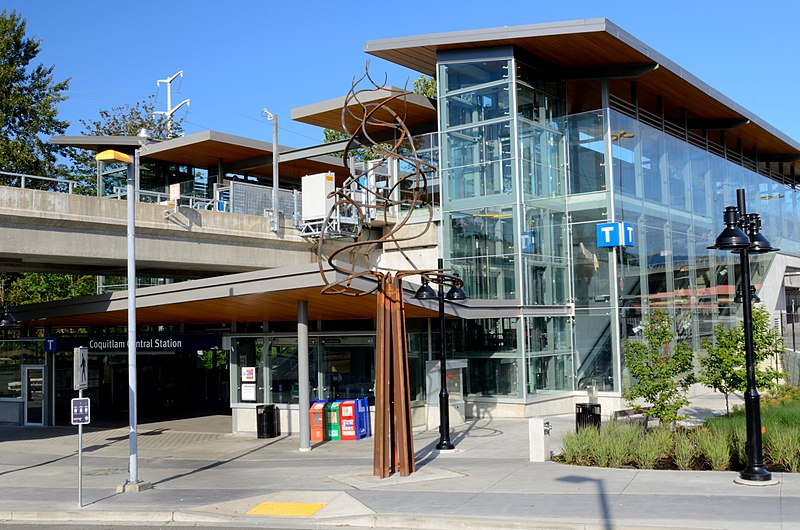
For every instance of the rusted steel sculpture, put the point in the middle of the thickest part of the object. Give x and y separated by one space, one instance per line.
374 119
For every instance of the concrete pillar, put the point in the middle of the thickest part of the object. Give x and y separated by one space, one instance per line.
302 375
539 440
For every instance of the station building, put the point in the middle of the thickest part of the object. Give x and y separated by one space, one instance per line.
544 136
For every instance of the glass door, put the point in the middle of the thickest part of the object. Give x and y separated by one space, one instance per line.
33 392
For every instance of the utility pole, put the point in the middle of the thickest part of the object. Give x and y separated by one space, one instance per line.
275 161
170 109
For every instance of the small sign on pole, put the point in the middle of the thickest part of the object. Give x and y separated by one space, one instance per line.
80 417
80 411
80 368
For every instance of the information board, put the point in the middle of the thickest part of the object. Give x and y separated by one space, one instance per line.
80 411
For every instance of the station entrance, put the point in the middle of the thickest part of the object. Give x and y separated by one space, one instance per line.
175 385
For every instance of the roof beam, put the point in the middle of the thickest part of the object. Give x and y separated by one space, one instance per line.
778 157
287 156
608 71
716 124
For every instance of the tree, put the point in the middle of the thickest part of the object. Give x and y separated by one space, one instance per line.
29 98
124 120
661 377
37 287
425 85
724 367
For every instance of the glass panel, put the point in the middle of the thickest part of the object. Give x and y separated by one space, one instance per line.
348 368
594 354
549 373
586 152
490 347
483 104
458 76
34 396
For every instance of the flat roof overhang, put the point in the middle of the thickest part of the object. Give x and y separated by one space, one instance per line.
592 49
418 111
259 296
210 148
267 295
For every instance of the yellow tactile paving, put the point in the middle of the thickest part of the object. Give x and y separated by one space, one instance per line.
286 509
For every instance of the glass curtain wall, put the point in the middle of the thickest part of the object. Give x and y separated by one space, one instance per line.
674 194
505 226
264 368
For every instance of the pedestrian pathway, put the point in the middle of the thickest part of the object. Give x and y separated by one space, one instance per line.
216 479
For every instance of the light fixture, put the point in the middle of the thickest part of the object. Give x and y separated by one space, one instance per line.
739 299
425 292
8 319
456 292
732 237
758 243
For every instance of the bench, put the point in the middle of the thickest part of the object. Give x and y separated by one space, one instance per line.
629 413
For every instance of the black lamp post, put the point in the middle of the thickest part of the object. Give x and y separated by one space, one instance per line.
454 293
742 235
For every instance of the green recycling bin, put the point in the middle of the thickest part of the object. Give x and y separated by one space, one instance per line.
332 428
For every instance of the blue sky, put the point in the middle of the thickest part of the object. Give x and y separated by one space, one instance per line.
239 56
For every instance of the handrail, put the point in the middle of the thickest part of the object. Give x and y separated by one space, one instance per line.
196 203
24 177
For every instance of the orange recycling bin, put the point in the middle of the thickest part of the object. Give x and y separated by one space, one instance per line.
316 416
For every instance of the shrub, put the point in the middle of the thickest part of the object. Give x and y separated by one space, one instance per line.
578 447
783 447
714 446
654 446
684 450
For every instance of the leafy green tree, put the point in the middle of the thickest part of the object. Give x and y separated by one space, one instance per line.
724 367
36 287
29 98
661 369
425 85
721 367
124 120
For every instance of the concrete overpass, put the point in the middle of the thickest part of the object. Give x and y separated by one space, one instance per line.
58 232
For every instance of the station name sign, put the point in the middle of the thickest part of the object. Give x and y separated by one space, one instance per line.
164 343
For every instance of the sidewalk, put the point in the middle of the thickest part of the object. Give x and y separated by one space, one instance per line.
214 479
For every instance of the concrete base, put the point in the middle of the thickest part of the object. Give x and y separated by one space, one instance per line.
134 487
456 415
743 482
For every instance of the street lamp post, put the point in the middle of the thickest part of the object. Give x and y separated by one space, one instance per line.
742 235
133 483
454 293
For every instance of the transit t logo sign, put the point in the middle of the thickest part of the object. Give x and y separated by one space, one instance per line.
615 235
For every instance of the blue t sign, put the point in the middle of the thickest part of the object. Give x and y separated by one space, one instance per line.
615 235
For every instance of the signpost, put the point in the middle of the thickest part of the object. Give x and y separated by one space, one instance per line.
80 406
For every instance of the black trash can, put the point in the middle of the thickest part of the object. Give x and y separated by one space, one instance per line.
587 415
268 421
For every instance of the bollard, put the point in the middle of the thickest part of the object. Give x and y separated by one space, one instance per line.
539 439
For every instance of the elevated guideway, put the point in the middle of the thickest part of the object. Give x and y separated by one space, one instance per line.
60 232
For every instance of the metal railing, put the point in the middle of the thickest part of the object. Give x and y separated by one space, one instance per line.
156 197
54 184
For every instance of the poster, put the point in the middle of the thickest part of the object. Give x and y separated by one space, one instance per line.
248 392
248 374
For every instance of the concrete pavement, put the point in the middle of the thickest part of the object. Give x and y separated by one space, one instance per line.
215 479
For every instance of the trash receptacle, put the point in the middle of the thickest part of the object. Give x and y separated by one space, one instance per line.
587 415
268 421
316 419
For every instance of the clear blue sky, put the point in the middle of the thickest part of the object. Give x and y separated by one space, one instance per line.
242 55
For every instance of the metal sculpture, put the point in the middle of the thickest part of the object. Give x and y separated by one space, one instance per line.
374 119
